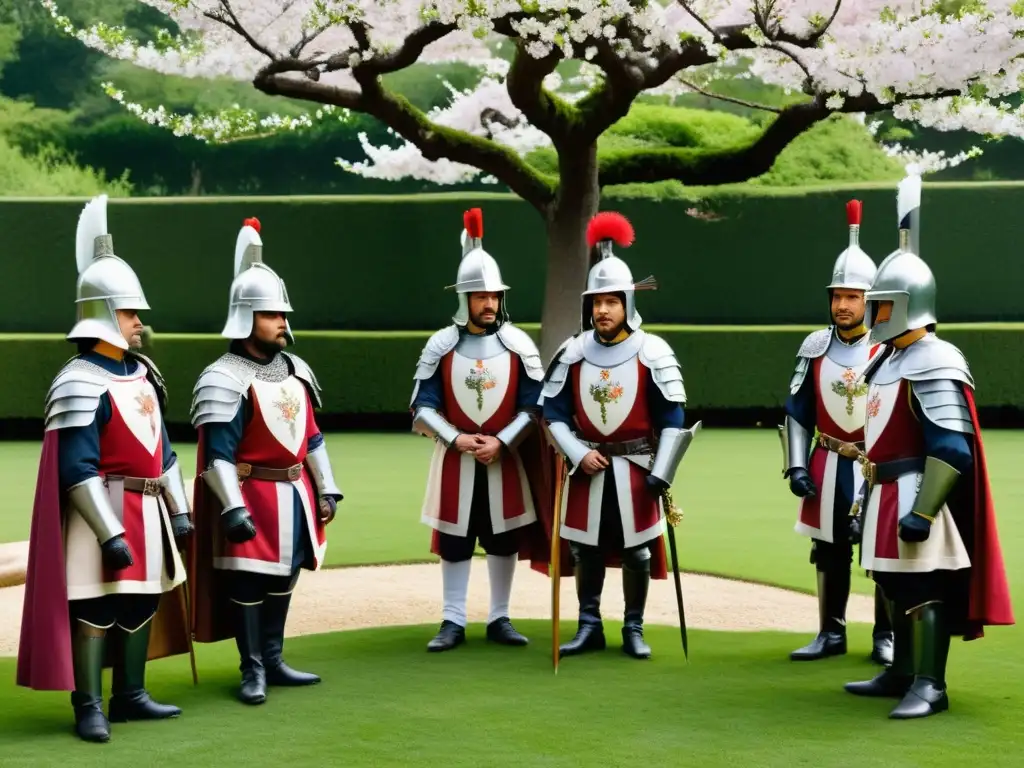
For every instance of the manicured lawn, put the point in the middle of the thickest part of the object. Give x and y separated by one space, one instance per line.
386 702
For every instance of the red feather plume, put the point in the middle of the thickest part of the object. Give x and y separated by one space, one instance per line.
253 222
473 222
853 212
609 225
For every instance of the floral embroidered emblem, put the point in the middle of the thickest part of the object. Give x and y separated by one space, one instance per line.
479 380
289 406
147 407
847 387
874 405
604 393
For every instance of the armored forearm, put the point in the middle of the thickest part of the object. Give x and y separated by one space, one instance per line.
796 444
429 422
319 464
512 434
174 494
568 443
222 479
93 504
938 480
672 444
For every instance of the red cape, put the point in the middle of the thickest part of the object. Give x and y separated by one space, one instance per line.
985 598
211 613
44 653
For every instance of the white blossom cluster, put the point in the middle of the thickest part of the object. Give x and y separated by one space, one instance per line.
894 50
926 161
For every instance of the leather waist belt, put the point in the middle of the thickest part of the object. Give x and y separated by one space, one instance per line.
288 474
626 448
888 471
147 486
849 450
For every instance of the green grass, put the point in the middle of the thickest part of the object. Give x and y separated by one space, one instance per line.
738 522
386 702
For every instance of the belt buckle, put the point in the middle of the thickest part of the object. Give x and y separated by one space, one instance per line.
151 487
243 470
295 472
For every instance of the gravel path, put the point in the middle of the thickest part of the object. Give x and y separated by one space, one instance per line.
351 598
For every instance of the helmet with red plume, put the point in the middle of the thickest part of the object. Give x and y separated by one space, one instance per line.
611 274
478 271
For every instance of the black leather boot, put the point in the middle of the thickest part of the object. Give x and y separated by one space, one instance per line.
501 631
881 651
87 648
635 582
833 593
129 699
894 680
249 641
927 694
589 571
448 636
273 616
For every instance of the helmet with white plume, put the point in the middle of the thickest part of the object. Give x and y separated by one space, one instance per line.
256 287
105 281
903 278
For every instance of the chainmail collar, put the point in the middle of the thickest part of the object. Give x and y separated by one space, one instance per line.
273 371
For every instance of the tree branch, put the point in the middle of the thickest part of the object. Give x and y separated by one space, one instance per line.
699 167
434 141
231 22
730 99
525 84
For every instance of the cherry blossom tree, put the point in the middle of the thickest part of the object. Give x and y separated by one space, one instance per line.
559 73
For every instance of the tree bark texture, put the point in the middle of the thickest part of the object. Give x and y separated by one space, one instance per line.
568 259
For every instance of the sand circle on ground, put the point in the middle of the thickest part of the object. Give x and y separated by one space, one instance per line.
336 599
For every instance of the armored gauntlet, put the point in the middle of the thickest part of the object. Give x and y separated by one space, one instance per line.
936 483
176 499
93 504
222 479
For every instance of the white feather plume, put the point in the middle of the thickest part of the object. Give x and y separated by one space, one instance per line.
92 223
908 195
246 236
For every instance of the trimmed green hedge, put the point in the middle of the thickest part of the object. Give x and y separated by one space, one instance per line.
371 373
366 263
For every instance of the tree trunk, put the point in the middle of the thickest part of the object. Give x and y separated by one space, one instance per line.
568 255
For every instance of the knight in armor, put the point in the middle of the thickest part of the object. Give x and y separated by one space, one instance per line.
110 505
822 438
613 399
927 519
267 490
477 383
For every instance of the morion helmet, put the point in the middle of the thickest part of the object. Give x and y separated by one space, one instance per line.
853 269
105 282
903 278
256 287
611 274
478 271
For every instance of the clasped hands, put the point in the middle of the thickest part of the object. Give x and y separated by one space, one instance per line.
483 448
